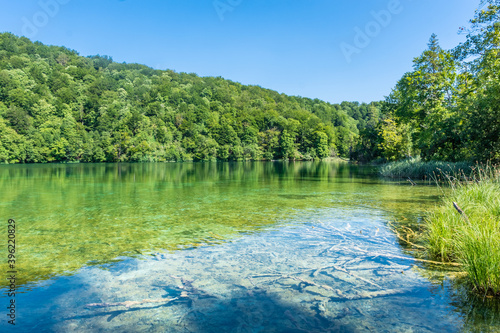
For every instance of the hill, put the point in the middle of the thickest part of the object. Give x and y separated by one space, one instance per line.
58 106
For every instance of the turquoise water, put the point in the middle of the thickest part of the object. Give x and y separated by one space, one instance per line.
224 247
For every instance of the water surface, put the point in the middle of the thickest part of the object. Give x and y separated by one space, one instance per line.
243 247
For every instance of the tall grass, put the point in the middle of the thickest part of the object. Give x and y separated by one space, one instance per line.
471 238
415 168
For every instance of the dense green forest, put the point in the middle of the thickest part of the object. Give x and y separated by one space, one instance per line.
448 107
57 106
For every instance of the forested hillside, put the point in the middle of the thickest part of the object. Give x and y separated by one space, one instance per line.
448 107
57 106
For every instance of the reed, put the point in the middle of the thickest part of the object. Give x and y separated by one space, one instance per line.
465 228
415 168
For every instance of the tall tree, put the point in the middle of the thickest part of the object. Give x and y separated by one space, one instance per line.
424 99
480 89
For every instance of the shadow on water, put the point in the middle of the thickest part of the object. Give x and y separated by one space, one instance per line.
247 311
259 310
255 309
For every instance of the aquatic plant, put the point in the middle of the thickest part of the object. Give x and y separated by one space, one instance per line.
415 168
466 227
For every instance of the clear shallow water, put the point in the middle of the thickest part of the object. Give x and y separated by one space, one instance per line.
243 247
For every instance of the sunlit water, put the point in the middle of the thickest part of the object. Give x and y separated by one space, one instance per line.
224 247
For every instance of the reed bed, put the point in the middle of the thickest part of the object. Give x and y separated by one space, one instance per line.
415 168
465 228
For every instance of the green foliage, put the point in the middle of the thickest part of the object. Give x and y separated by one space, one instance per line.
56 106
423 100
395 140
415 168
449 104
471 238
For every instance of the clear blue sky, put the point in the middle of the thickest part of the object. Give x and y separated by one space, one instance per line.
290 46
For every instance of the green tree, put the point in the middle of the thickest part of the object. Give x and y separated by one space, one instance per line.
395 140
481 84
287 145
321 144
424 99
64 107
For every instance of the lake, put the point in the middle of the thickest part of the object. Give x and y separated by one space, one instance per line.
224 247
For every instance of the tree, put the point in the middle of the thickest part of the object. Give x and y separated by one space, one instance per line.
287 145
395 140
18 119
424 98
64 107
481 83
321 144
269 141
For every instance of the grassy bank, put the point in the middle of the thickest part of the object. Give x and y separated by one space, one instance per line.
417 169
472 236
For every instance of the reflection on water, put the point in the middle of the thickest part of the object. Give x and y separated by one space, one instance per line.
243 247
72 215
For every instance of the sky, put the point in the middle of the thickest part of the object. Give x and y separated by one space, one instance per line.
334 50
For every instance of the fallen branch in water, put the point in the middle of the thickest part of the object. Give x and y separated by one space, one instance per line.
128 304
407 241
296 278
307 282
423 260
357 276
188 290
372 294
388 255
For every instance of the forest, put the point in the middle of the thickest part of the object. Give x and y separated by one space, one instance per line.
448 107
57 106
